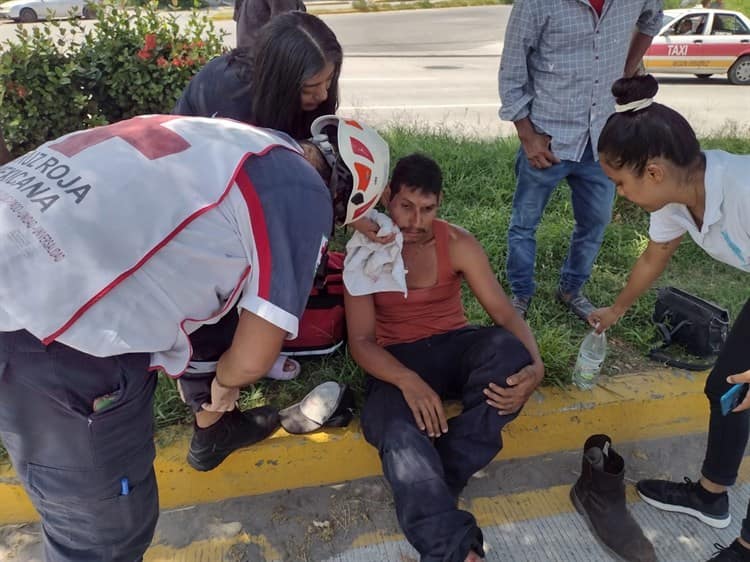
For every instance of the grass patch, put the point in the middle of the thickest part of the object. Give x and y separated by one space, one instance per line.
479 186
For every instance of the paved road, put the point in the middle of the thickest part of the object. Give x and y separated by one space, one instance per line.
522 506
439 68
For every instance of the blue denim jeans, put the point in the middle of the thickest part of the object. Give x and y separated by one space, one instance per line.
592 195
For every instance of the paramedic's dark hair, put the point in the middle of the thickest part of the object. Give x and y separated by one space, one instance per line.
417 171
290 49
631 138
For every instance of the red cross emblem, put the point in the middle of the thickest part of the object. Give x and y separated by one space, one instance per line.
145 134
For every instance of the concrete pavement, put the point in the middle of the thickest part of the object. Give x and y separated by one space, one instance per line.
522 506
320 497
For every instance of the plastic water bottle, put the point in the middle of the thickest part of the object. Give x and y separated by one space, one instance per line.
590 358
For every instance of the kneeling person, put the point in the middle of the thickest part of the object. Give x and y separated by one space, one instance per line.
419 350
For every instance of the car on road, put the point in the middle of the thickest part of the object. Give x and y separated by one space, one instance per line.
27 11
703 42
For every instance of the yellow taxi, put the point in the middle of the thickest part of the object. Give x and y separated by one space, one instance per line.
703 42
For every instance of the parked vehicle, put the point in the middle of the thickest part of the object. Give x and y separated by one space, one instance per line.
27 11
703 42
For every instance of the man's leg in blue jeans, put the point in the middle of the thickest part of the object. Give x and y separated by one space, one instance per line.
533 190
474 437
89 474
592 195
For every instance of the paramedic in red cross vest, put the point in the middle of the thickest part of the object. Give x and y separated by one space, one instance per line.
115 244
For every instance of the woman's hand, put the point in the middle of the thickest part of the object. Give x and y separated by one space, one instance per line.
603 318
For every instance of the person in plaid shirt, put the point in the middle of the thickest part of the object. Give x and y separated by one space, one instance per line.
559 61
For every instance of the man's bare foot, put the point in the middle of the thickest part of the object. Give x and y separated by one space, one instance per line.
473 557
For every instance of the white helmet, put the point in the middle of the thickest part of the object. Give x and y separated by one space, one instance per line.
359 161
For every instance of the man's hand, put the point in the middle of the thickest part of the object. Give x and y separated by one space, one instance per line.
223 398
426 406
537 149
740 378
603 318
520 386
370 229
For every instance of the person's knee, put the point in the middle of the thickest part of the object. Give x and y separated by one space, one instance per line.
526 215
500 353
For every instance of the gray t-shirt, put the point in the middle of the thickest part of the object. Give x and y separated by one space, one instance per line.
251 15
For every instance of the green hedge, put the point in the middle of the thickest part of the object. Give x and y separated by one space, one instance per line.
60 77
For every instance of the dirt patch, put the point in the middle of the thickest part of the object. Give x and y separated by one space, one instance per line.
624 358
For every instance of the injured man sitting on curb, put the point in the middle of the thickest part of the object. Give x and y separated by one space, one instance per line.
415 343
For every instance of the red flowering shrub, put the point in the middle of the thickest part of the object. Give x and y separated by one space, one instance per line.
135 62
164 56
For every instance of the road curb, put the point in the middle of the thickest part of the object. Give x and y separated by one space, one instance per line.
636 407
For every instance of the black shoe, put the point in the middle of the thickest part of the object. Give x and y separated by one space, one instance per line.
735 552
210 446
599 496
578 304
688 498
521 304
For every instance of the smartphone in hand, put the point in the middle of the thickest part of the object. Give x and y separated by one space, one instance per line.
733 397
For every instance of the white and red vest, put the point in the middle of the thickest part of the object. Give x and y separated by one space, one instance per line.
83 212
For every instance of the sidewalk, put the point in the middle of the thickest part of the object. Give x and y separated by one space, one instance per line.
272 494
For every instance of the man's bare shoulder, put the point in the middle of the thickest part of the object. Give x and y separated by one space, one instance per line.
459 236
464 247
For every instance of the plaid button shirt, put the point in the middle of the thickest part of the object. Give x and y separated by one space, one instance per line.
559 62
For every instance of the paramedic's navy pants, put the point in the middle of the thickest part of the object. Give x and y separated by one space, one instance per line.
426 478
89 474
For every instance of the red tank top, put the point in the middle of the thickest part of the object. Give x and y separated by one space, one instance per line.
427 311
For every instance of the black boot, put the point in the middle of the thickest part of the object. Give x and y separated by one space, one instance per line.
234 430
599 495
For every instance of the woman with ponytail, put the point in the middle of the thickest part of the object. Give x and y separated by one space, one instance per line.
652 155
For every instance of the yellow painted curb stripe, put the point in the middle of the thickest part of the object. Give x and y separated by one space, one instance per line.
629 408
209 549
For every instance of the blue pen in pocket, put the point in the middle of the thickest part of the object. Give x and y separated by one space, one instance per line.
124 487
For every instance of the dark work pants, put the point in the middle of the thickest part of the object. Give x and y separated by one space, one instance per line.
72 460
426 478
727 435
209 342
